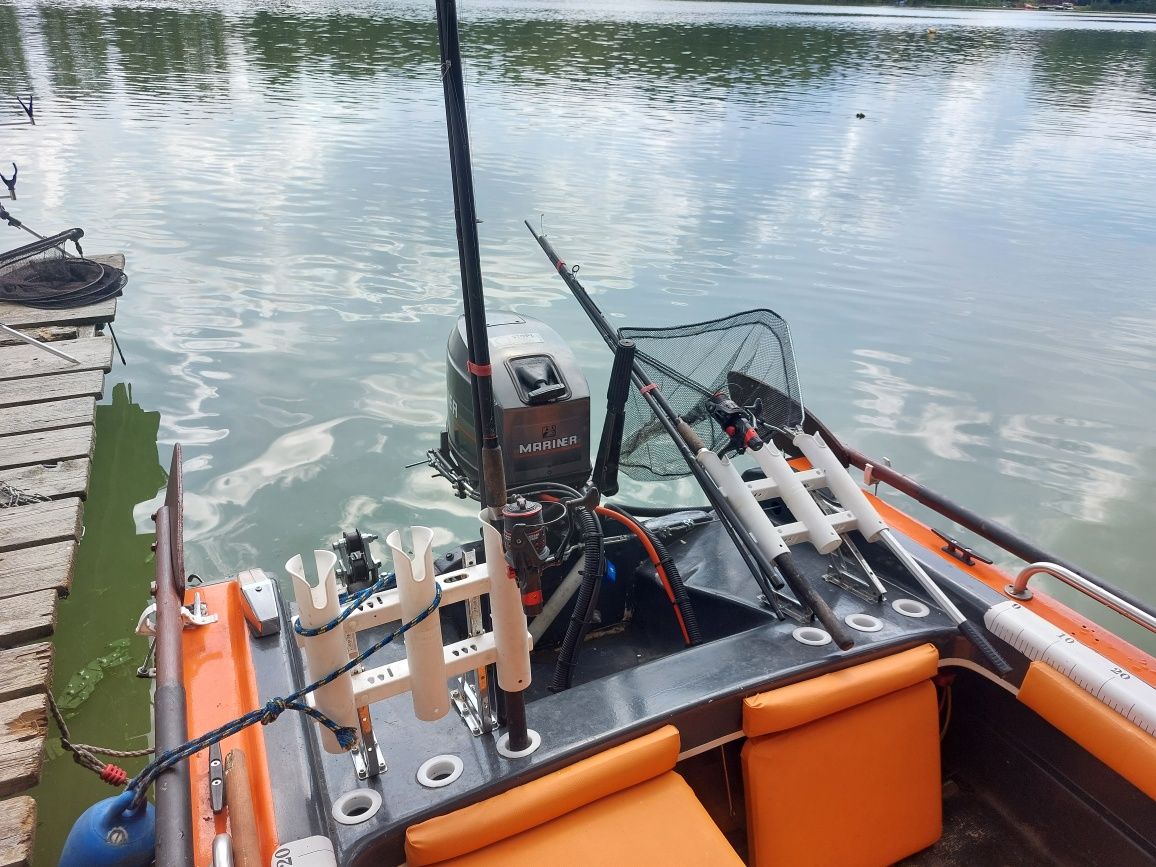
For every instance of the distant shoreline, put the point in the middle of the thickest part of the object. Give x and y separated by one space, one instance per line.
1125 7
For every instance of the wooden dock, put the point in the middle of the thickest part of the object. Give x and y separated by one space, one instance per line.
47 410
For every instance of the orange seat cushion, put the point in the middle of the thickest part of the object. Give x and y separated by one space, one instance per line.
568 799
800 703
1114 740
659 822
845 782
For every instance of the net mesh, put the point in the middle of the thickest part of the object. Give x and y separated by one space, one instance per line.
43 275
691 362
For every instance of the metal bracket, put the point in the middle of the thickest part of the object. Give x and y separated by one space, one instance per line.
367 758
471 697
193 615
216 779
853 574
259 594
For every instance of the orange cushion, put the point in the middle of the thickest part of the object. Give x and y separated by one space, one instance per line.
800 703
859 787
659 822
542 800
1122 746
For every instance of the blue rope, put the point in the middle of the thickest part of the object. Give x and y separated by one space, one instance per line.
355 602
346 735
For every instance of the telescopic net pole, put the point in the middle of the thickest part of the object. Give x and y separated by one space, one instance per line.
493 478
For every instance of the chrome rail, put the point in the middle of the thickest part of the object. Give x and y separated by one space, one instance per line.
1019 590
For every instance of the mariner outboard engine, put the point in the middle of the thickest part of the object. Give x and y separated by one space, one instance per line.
541 399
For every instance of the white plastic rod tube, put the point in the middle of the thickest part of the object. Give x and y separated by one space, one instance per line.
317 604
820 533
511 638
423 643
755 521
840 483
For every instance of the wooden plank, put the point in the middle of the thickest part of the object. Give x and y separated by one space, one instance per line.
42 567
59 479
21 362
26 618
45 334
25 670
17 831
45 446
47 416
19 316
44 388
39 523
23 726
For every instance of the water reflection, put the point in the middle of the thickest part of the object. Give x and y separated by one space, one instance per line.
965 268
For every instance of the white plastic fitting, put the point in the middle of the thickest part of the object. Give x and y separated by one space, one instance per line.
511 638
755 521
840 483
423 643
820 533
317 604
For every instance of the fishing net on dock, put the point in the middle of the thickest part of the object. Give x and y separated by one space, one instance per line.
689 363
44 275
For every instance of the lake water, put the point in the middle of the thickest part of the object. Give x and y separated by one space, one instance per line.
968 269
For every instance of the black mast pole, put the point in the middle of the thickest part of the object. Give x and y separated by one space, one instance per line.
493 476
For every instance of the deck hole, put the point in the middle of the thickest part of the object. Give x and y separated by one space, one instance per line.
863 622
356 806
439 771
910 607
811 635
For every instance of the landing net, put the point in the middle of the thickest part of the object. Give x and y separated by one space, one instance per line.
44 275
691 362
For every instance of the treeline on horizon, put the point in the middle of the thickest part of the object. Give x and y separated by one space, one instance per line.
1080 5
94 51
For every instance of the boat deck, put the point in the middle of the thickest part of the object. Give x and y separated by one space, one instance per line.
47 410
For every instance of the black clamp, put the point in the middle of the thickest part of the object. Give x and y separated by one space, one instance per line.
960 551
735 422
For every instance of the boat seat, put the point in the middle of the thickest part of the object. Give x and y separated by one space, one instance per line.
623 806
843 769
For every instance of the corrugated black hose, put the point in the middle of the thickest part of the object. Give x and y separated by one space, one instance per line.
586 601
673 576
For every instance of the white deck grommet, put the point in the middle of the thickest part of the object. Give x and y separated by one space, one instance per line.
811 635
357 806
863 622
439 771
910 607
504 745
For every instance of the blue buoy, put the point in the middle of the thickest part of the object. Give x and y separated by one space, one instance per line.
110 834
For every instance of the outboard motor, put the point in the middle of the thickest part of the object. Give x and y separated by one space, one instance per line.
542 402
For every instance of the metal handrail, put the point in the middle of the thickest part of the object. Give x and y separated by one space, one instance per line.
1019 590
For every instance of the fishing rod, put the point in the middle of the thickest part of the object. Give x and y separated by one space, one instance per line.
492 471
710 480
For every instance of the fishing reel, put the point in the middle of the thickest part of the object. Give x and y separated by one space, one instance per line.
735 422
535 541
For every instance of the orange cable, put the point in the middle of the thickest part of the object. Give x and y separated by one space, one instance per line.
640 534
